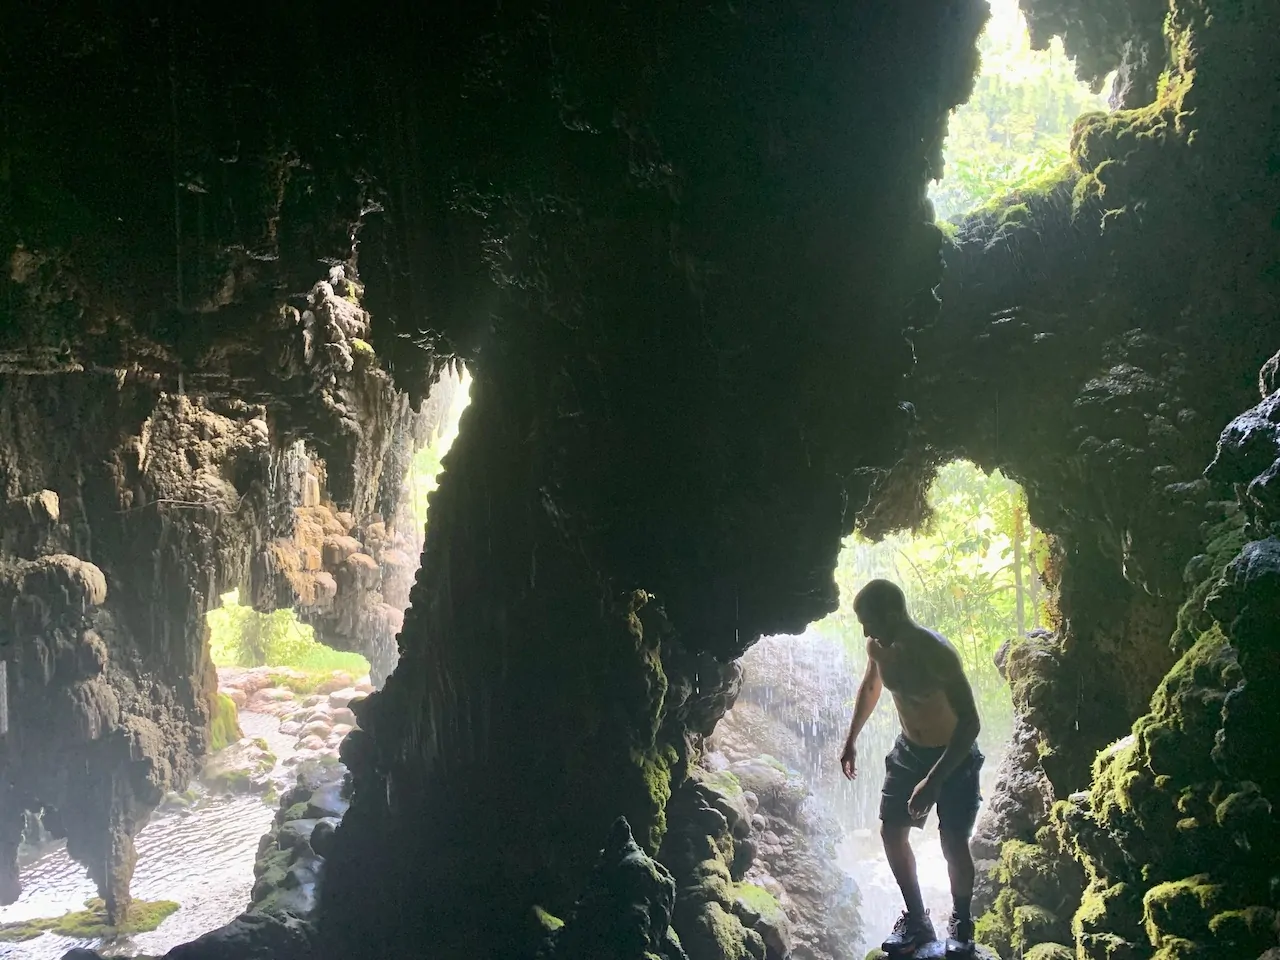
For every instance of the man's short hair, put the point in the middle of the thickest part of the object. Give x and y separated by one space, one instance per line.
880 597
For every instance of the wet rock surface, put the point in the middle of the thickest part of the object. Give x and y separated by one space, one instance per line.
625 910
747 840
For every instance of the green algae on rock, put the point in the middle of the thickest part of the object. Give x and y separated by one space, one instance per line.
224 727
92 923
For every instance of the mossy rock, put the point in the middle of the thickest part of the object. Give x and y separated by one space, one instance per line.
224 726
1180 909
1034 925
761 902
1244 932
91 923
716 934
1110 911
1049 951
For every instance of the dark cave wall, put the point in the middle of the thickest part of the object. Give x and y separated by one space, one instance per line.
691 302
128 512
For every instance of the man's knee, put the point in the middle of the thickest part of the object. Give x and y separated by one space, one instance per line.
895 835
955 846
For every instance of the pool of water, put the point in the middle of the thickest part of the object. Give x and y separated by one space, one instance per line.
201 857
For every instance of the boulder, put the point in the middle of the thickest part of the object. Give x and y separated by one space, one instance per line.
251 936
243 767
341 698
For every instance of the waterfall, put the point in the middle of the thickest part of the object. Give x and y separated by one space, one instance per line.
796 704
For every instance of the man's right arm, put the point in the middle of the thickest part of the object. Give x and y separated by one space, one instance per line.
868 697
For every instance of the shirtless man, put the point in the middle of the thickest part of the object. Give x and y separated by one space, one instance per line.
934 761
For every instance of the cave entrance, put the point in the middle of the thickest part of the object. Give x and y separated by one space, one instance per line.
1015 129
972 573
287 681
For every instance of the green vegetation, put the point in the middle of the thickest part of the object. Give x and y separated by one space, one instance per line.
239 636
426 467
547 921
225 724
91 923
972 574
760 901
1015 129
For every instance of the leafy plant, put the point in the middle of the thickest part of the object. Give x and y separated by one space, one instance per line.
1016 127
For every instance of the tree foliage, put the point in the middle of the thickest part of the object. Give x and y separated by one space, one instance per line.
240 636
1016 127
971 574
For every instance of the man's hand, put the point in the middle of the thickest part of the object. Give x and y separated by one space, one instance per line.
923 797
849 760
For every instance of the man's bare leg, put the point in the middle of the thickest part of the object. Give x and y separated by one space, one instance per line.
955 848
902 861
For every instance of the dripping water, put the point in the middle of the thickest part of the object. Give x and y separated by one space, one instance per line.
796 704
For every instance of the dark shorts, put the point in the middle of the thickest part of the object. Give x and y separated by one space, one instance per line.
907 764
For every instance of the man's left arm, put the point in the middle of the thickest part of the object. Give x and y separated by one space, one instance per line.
968 726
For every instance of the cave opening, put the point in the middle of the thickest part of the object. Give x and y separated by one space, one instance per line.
972 572
287 679
1013 134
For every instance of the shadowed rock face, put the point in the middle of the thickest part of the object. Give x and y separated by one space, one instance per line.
128 511
679 243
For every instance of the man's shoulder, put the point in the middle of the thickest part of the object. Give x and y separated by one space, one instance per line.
943 651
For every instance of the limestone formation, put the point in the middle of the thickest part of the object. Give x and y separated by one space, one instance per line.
688 252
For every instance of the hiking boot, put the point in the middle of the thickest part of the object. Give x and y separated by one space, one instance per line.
909 934
959 938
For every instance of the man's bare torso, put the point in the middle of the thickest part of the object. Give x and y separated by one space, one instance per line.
916 676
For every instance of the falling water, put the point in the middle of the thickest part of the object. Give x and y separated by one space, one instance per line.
796 703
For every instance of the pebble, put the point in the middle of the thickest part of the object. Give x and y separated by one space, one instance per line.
311 742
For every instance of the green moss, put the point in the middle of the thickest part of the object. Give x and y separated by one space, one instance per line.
722 781
1246 931
775 763
761 901
1108 912
224 726
718 935
1034 924
996 925
1049 951
655 769
546 921
360 347
1225 539
269 872
297 812
1028 196
1180 909
91 923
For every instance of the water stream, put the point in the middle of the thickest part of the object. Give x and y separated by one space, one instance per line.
200 856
